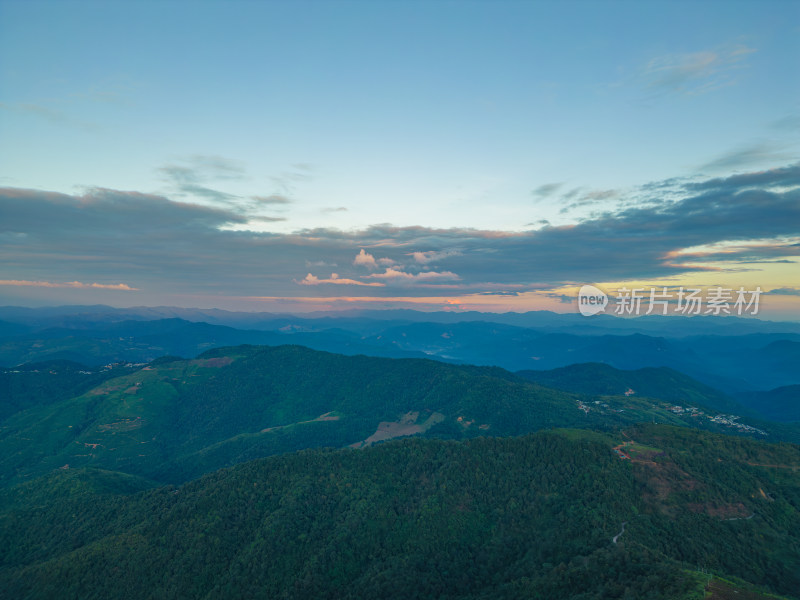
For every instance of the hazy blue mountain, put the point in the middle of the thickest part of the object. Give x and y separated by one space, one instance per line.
8 329
653 382
780 404
143 341
731 354
363 320
731 363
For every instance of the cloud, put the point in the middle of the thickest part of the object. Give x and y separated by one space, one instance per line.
588 198
696 72
319 263
751 155
272 199
198 178
547 189
155 244
200 191
770 179
787 291
746 251
334 209
287 181
266 219
538 224
202 167
391 273
424 258
365 259
500 293
335 279
187 177
571 194
129 213
107 235
399 275
601 194
68 284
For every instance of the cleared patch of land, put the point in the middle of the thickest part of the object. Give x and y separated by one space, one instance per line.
215 363
720 589
407 425
328 416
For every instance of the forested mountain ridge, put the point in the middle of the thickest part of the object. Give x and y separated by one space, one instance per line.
729 353
143 341
175 419
35 384
550 515
781 404
652 382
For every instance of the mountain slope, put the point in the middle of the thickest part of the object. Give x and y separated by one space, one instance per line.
654 382
780 404
142 341
552 515
48 382
176 419
729 362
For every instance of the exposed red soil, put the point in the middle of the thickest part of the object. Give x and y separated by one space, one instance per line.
721 590
214 363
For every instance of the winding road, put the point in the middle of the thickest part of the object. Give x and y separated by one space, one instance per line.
614 539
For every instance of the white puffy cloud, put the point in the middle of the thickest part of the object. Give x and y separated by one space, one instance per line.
335 279
399 275
424 258
365 259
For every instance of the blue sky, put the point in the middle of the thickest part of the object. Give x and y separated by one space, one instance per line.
286 117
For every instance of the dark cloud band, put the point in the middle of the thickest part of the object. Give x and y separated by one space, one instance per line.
156 244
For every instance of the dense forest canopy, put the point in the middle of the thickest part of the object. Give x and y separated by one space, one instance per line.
551 515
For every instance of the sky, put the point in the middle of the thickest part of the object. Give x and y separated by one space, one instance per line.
442 155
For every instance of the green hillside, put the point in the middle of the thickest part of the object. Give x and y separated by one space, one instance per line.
551 515
35 384
176 419
653 382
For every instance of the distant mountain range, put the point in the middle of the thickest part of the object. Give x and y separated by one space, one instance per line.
780 404
652 382
732 354
366 320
